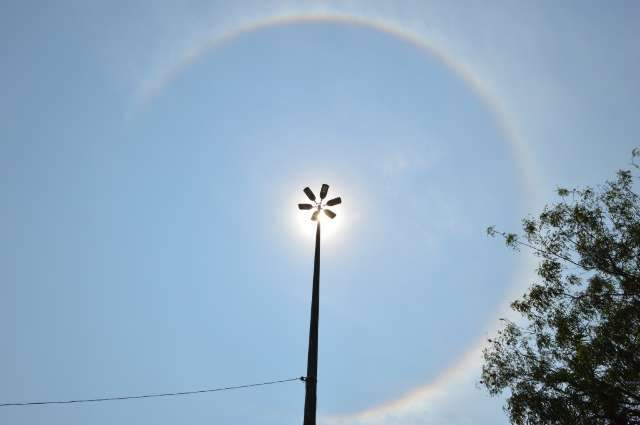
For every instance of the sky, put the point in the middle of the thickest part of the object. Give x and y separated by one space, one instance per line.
152 155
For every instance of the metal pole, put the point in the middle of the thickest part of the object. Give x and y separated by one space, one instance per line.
312 358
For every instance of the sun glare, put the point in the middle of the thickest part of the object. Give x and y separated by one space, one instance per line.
330 228
307 228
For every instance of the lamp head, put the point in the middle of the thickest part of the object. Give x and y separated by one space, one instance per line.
318 204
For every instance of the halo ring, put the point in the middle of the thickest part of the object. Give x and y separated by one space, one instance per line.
153 87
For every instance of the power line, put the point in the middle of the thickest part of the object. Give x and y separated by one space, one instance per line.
130 397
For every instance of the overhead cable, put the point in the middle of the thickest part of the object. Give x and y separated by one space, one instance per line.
130 397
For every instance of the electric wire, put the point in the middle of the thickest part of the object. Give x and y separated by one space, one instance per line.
173 394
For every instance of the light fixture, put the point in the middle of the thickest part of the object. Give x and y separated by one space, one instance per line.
318 204
312 355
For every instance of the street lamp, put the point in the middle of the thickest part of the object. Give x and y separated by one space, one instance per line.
312 357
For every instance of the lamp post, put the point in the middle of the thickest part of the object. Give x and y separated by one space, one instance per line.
311 380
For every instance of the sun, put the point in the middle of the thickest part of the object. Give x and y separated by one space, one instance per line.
320 211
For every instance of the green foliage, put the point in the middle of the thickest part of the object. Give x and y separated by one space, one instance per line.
575 358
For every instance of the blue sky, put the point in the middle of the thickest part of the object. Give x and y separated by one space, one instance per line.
151 243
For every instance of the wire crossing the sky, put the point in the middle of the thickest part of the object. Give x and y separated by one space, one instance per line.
130 397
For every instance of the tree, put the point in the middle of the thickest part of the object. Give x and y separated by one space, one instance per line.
574 356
